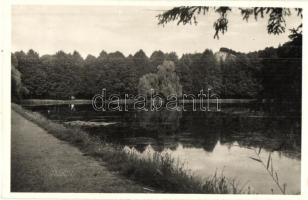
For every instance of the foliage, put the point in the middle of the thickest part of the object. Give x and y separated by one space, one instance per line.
266 74
168 79
165 82
280 74
17 89
148 83
187 14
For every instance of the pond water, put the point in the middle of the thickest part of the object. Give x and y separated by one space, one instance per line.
206 142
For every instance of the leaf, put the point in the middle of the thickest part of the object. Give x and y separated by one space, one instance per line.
268 161
276 177
272 170
256 159
259 151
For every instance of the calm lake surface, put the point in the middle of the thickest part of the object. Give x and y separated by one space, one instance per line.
206 142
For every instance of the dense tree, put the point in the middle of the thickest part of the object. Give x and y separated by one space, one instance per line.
172 56
142 63
281 73
156 58
268 70
33 77
18 91
165 82
147 84
169 81
200 70
15 84
184 71
239 77
267 74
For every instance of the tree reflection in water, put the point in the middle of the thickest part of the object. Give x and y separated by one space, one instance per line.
167 129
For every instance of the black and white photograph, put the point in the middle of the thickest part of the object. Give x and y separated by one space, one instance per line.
156 99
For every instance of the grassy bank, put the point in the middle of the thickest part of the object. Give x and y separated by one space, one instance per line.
161 172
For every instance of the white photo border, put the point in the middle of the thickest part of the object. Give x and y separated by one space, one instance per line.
5 100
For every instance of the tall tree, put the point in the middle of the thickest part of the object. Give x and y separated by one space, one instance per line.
142 63
156 58
165 82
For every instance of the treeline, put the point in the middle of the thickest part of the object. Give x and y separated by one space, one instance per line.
273 73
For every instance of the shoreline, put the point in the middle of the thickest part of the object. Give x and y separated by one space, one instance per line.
42 102
160 172
51 165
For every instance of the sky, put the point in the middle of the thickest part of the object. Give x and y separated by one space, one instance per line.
91 29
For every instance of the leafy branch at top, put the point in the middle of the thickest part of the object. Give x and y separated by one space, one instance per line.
188 15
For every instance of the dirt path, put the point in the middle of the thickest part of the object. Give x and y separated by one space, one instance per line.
42 163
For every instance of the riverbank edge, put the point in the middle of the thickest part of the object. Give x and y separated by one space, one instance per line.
160 172
42 102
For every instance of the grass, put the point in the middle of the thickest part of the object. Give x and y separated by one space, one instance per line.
270 170
159 171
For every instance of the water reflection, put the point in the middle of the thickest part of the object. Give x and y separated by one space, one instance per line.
72 107
207 141
191 129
